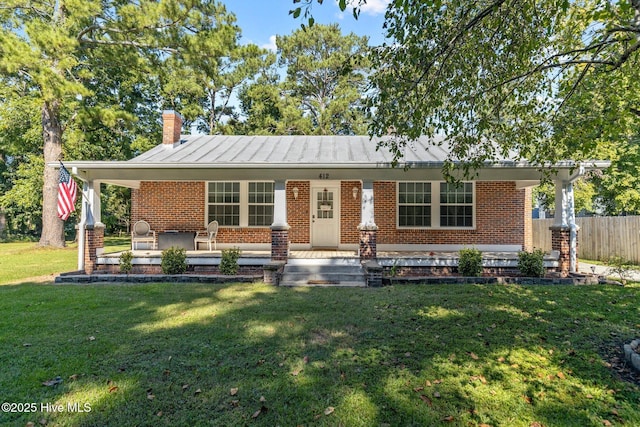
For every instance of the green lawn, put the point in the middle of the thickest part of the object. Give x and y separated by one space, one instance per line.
188 354
26 260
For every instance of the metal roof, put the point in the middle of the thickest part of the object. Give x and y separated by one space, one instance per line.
301 150
219 157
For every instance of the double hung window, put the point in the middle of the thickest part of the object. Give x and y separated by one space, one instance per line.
424 204
240 203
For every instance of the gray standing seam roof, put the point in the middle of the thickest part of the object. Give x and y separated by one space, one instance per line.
216 149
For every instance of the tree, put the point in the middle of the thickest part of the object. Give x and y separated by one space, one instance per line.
497 75
323 90
269 110
55 54
324 74
200 82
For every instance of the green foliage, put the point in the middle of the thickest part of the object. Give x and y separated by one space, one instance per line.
323 89
126 264
229 261
552 80
90 70
22 199
174 260
531 264
470 262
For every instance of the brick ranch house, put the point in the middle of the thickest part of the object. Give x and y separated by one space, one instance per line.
287 193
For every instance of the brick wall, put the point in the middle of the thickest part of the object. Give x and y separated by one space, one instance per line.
503 214
350 212
298 214
169 205
181 206
502 217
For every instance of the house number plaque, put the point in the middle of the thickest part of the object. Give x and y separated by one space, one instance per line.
323 176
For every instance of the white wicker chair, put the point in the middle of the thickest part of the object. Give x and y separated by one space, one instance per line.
207 236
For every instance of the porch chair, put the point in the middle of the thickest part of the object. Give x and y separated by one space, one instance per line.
142 233
207 236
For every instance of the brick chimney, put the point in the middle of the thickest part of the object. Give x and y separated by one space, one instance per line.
171 127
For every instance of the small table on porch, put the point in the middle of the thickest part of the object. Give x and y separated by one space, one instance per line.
176 238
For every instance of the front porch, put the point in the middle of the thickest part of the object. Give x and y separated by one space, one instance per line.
256 265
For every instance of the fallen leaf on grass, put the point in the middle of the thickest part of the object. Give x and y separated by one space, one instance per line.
418 389
473 355
606 423
329 410
426 400
233 391
198 391
185 386
449 418
480 378
306 359
92 338
560 375
259 411
296 372
436 395
150 394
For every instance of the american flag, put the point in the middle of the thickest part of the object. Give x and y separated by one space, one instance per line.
67 193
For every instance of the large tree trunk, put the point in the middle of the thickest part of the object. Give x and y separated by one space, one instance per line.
52 226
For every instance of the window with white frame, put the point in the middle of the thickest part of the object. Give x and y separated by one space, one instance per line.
240 203
435 205
260 203
414 204
456 204
224 203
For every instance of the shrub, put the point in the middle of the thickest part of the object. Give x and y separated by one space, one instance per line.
229 262
126 262
531 264
470 262
174 260
619 266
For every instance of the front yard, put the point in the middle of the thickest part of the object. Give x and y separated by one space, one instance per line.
187 354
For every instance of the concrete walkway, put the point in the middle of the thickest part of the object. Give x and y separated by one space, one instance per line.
603 270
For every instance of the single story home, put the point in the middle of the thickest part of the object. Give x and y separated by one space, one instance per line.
283 193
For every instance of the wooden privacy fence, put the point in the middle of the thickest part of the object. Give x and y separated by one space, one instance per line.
599 238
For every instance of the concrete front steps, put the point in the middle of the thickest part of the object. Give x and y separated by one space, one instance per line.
344 272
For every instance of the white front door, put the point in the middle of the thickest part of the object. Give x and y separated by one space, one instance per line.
325 216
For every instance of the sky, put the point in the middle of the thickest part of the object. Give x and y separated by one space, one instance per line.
261 20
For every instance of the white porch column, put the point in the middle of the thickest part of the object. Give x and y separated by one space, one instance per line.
90 231
280 205
82 226
367 207
280 227
565 230
368 247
